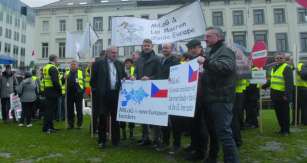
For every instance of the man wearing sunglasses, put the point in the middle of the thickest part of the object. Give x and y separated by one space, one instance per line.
281 83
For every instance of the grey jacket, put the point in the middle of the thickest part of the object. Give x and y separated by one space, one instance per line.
218 81
149 68
26 90
8 84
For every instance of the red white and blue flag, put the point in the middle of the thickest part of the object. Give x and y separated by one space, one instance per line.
158 93
192 74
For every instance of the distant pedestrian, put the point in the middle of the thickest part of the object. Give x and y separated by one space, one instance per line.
28 93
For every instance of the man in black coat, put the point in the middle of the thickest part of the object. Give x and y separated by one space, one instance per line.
174 123
147 68
105 84
218 84
281 84
52 91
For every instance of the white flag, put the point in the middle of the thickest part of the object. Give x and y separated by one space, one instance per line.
73 40
89 38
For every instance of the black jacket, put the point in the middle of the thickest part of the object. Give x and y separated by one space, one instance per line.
100 80
252 92
149 68
80 91
303 73
164 69
288 76
56 90
218 81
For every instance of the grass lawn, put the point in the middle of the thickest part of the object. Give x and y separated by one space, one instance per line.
22 144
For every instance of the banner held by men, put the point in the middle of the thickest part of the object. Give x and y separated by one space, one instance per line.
174 26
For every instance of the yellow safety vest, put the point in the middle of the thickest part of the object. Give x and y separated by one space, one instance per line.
132 70
62 85
42 85
300 82
240 85
80 79
47 77
87 78
277 78
34 78
182 62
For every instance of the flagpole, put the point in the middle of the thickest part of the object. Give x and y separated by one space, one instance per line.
66 96
297 61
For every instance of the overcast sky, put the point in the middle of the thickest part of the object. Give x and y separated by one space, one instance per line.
38 3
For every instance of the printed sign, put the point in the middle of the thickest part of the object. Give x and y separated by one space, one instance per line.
143 102
258 77
15 105
183 88
302 3
174 26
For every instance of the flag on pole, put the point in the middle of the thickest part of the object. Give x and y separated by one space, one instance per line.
73 40
180 50
32 62
89 38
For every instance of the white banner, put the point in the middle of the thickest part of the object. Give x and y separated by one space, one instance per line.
183 88
258 77
15 105
73 40
180 24
143 102
88 39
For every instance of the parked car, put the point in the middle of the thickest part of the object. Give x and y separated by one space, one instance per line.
267 103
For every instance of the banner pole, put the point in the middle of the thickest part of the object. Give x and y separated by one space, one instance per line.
297 60
66 96
260 110
110 133
91 98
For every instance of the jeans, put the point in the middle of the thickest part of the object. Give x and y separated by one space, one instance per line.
59 111
222 116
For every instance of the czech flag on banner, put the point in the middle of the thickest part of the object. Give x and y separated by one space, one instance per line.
192 74
157 93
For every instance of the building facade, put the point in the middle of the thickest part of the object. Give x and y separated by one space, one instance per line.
17 30
279 23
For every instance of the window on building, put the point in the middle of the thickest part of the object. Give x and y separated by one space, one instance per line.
281 42
98 23
259 17
7 48
109 42
217 18
304 41
8 18
1 16
0 31
238 18
160 48
17 22
8 33
62 25
110 23
128 50
15 49
45 26
279 15
22 56
145 16
240 38
23 38
97 48
160 15
79 24
302 12
16 36
261 36
24 25
62 50
44 50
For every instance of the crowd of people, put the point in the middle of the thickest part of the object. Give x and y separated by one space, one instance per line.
220 104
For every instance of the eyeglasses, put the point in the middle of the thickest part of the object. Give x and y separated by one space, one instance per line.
208 36
279 58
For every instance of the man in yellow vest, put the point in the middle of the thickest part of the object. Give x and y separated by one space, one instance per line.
75 90
52 91
252 97
281 84
35 106
301 96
